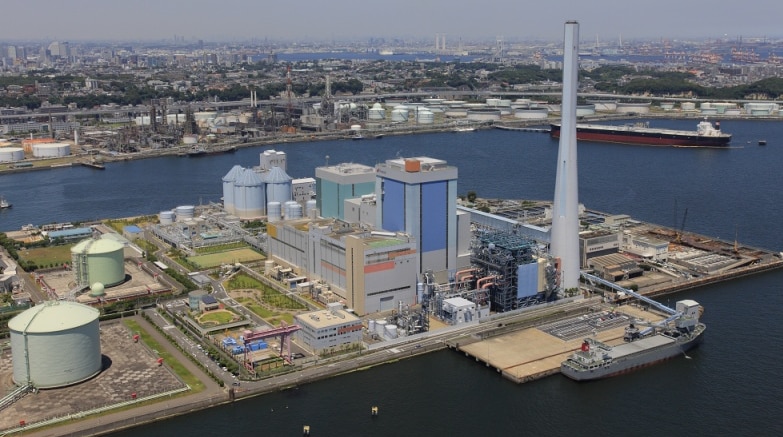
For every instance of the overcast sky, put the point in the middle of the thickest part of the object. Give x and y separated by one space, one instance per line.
309 20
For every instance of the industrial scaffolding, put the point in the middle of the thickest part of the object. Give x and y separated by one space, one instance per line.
497 255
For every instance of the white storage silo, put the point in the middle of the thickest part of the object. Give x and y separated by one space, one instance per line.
399 114
425 116
51 150
376 112
55 344
166 217
688 106
98 260
11 154
185 212
228 188
531 113
278 185
371 326
380 327
273 211
249 197
634 108
292 210
311 208
390 331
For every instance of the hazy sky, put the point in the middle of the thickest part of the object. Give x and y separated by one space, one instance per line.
226 20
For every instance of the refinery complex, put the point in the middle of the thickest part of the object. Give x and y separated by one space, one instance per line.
309 277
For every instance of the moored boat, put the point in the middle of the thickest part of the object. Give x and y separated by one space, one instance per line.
596 360
705 135
4 203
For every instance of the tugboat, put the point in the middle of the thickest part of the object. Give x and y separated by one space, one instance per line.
4 203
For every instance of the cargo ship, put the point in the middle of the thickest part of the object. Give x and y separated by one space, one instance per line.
672 337
705 135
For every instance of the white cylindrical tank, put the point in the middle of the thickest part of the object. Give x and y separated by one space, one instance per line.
184 212
51 150
633 108
98 260
377 112
273 211
249 196
455 112
311 208
399 114
531 113
380 327
371 326
166 217
11 154
269 266
390 331
484 114
278 185
228 188
667 106
582 110
292 210
425 116
688 106
493 102
55 344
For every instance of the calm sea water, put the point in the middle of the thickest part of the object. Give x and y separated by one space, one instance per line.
729 386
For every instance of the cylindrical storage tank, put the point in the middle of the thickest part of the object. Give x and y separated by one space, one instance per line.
667 106
273 211
249 195
371 326
484 114
185 212
311 208
455 112
228 188
98 260
278 186
380 327
633 108
11 154
604 105
425 116
356 127
390 331
376 112
582 110
194 297
399 114
531 113
733 111
189 139
688 106
269 266
166 217
55 344
493 102
292 210
51 150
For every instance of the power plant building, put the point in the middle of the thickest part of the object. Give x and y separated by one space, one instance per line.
55 344
368 270
418 196
338 183
328 330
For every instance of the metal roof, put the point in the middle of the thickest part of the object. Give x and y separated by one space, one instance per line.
53 316
232 174
277 175
100 245
69 232
248 178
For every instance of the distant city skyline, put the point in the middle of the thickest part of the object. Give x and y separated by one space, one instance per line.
346 20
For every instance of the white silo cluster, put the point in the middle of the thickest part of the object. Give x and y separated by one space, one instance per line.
252 193
55 344
51 150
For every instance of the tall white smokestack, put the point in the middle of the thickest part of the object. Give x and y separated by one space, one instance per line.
565 221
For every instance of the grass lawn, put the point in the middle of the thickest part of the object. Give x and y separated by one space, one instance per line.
45 256
218 317
195 384
227 257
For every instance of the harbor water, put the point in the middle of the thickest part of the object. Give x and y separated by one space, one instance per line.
730 385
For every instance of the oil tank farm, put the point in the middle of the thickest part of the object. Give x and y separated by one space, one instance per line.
98 260
51 150
55 344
